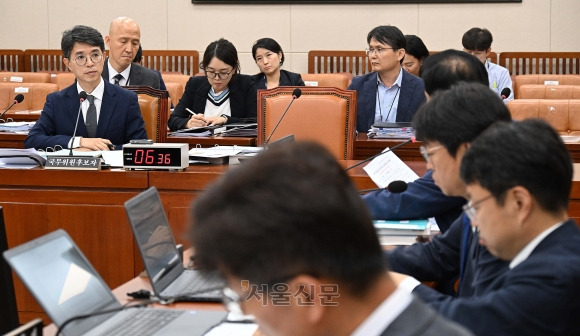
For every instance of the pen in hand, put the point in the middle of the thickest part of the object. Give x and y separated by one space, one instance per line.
190 111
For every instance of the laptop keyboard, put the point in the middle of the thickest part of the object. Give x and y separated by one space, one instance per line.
144 322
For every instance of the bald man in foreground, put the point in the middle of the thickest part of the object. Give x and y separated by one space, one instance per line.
123 42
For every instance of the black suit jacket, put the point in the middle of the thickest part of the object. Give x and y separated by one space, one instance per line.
418 319
537 297
120 119
411 97
139 76
243 100
287 78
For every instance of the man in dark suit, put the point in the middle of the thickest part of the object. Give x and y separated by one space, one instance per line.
389 93
495 296
300 252
123 42
519 177
110 114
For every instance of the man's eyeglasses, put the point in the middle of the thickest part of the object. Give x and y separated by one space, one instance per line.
82 59
378 51
220 75
428 152
470 208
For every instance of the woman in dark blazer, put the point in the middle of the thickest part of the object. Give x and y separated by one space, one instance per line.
269 57
222 96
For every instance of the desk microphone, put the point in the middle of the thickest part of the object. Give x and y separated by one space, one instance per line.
505 93
17 100
82 97
394 187
295 95
412 139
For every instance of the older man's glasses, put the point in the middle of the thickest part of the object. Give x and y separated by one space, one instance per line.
82 59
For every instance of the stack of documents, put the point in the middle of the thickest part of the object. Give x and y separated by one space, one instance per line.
16 126
403 232
391 133
20 158
222 154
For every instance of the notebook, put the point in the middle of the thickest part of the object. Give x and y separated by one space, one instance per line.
162 260
66 285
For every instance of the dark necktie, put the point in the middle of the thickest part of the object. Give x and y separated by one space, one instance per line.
118 78
91 119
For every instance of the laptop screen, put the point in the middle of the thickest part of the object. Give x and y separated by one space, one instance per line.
60 277
153 234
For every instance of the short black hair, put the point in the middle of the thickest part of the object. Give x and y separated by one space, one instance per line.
459 115
527 153
268 44
441 70
477 39
416 47
82 34
291 210
389 35
223 50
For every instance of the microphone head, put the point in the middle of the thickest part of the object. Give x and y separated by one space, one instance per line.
82 95
18 99
296 93
505 93
397 186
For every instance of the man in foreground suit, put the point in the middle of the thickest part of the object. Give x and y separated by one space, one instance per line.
110 114
389 93
519 178
299 251
123 42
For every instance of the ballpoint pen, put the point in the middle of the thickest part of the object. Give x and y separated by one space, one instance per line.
190 111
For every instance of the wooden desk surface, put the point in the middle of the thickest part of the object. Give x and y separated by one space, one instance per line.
89 206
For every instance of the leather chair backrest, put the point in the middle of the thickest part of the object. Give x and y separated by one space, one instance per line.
25 77
34 95
539 91
520 80
321 114
556 112
154 107
337 80
175 91
64 79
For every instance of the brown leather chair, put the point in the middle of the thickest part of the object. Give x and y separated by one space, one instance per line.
520 80
25 77
321 114
64 79
539 91
175 84
562 114
337 80
154 106
34 95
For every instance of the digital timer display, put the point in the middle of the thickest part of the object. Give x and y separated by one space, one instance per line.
155 156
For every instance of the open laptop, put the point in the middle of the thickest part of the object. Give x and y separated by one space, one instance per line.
169 279
66 285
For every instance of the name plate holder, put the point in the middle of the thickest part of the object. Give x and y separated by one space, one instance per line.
75 162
